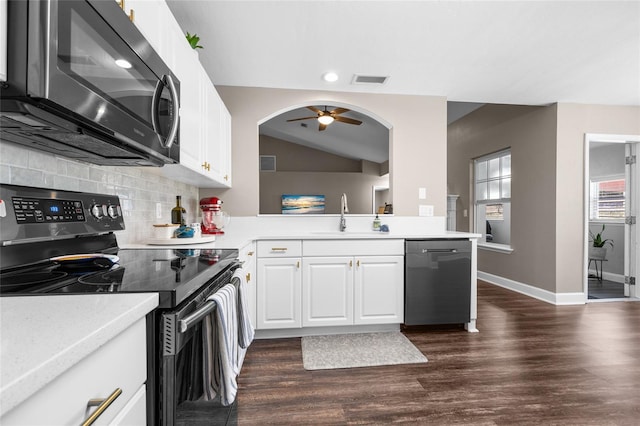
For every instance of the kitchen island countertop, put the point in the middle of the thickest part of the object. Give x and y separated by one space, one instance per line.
43 336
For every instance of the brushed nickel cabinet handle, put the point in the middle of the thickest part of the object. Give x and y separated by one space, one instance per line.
102 404
278 249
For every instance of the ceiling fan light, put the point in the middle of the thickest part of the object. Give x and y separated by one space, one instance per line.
325 119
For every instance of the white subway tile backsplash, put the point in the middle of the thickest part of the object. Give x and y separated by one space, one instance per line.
139 188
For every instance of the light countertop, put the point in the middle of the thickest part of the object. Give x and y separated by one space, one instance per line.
43 336
243 230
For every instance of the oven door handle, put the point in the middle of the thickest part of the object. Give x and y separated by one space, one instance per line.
196 317
206 309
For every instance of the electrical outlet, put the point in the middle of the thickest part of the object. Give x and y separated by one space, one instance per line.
158 211
422 193
425 210
465 213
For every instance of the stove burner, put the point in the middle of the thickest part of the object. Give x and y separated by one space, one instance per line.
13 282
109 278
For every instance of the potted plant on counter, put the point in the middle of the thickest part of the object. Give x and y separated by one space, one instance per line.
598 249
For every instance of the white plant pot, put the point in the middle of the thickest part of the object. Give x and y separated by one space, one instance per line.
599 253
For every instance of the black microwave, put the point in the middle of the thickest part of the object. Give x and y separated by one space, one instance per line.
83 82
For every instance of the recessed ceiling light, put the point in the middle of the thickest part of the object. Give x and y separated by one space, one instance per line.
123 63
330 77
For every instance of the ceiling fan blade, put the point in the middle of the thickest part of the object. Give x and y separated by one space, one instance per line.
321 126
347 120
314 109
339 111
303 118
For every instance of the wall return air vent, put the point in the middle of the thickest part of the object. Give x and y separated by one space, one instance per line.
267 163
369 79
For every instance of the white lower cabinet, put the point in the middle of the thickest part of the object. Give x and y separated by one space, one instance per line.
327 291
279 291
341 283
379 290
120 364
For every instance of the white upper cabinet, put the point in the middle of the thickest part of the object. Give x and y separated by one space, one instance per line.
205 122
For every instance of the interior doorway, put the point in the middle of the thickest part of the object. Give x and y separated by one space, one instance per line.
612 192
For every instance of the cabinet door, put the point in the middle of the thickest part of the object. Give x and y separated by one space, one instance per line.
190 73
327 291
218 138
248 256
379 284
279 293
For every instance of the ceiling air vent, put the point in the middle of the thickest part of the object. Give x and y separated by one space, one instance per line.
369 79
267 163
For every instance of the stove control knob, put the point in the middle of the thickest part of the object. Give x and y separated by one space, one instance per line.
98 210
112 211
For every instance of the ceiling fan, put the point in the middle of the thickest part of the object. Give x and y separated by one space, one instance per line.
327 117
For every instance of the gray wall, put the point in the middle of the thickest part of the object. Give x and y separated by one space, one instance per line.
302 170
139 188
530 133
418 142
547 145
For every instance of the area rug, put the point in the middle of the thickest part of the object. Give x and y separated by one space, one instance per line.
358 350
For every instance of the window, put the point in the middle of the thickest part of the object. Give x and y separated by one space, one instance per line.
607 199
492 183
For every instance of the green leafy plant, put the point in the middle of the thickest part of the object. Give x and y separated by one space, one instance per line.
597 240
193 40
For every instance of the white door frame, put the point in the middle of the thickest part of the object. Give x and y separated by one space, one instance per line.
635 187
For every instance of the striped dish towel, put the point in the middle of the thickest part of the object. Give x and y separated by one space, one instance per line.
220 346
245 328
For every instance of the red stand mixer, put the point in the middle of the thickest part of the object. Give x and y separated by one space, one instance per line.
213 219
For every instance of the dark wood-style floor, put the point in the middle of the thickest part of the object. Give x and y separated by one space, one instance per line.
531 363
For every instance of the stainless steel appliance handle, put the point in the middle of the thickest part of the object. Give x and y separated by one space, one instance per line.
155 101
176 107
203 311
439 250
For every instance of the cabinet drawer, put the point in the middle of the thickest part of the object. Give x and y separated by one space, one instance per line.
120 363
280 248
353 247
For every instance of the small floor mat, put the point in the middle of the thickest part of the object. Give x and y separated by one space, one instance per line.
358 350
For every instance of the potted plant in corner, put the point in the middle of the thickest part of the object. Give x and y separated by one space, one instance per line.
193 40
598 249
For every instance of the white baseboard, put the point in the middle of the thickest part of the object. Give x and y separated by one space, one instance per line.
535 292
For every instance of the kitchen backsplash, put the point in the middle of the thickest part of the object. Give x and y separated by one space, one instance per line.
140 188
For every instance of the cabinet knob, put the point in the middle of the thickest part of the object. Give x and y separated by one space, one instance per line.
121 4
298 264
250 253
226 177
350 263
132 15
248 277
358 263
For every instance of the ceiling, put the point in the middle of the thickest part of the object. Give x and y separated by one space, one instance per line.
509 52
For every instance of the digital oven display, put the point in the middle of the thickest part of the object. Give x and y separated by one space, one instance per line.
40 210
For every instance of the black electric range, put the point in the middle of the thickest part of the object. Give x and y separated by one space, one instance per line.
38 226
45 237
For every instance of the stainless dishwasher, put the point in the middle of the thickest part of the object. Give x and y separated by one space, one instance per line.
437 287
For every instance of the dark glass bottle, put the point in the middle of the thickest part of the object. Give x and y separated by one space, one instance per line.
178 213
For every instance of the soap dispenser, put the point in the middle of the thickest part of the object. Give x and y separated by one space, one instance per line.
376 223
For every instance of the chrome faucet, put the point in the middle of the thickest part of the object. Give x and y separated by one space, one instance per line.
343 209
